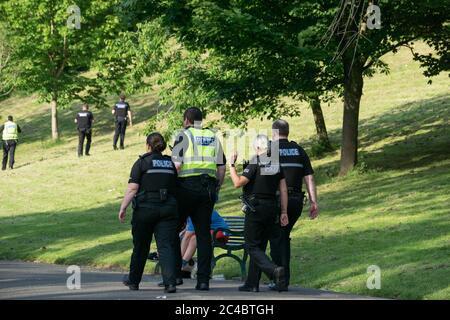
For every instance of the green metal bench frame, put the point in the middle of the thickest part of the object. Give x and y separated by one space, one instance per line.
235 242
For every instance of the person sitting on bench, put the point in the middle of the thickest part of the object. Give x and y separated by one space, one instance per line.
189 240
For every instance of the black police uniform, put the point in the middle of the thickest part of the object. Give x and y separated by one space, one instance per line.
295 164
121 116
196 198
262 218
154 211
9 148
84 127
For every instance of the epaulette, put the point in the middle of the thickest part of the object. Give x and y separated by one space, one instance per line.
144 155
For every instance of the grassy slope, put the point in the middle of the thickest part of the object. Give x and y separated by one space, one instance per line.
393 212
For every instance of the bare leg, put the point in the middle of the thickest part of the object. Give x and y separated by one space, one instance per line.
185 242
191 248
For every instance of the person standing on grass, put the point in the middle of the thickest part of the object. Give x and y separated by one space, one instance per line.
297 168
261 180
122 114
10 136
84 120
151 188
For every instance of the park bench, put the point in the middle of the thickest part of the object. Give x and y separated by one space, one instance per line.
235 243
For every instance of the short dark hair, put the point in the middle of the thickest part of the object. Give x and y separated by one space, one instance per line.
156 141
10 118
282 126
122 96
193 114
85 105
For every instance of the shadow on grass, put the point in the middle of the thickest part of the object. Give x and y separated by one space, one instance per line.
415 134
65 237
410 269
378 191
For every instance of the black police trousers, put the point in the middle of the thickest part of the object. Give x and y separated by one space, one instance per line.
9 148
84 134
260 226
160 218
196 201
121 127
280 246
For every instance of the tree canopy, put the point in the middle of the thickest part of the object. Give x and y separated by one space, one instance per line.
244 56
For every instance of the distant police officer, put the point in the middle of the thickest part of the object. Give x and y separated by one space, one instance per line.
122 113
152 188
297 167
10 136
261 179
200 161
84 120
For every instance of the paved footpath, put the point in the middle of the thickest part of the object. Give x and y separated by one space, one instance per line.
36 281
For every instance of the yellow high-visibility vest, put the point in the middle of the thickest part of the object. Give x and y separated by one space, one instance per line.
10 131
200 156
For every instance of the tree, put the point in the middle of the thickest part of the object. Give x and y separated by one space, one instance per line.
245 76
57 43
360 48
8 69
254 58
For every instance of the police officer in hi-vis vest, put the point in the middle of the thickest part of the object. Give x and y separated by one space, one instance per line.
152 188
10 136
122 113
200 161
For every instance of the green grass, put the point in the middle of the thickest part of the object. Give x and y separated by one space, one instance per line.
392 211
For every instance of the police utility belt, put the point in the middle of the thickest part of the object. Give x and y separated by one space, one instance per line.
250 201
293 192
296 194
143 198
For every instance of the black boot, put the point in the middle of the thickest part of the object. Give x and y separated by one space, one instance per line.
246 288
131 286
202 286
279 279
170 289
178 282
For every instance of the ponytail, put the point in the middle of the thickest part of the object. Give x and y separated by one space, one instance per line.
156 141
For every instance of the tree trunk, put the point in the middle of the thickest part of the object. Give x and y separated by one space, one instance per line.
353 84
319 121
54 107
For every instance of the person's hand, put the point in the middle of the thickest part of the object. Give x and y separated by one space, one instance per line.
122 214
313 211
233 157
284 220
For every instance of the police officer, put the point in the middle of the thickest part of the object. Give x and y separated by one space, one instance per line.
200 161
84 120
122 113
261 179
152 188
10 136
297 167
